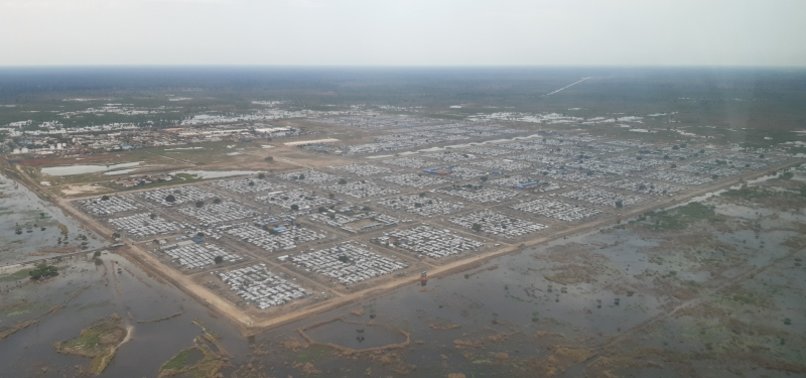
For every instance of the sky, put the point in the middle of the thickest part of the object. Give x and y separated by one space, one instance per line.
403 32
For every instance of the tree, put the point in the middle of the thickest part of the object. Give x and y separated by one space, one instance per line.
216 200
199 203
476 227
170 198
261 175
342 181
218 259
43 271
294 207
344 259
104 198
619 204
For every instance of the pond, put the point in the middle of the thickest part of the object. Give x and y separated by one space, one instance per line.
80 169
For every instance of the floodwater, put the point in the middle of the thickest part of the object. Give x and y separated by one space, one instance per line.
460 322
161 316
32 228
503 318
80 169
366 335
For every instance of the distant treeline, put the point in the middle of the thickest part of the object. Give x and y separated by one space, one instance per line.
737 96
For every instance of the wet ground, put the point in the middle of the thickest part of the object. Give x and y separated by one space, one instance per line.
711 290
30 228
160 315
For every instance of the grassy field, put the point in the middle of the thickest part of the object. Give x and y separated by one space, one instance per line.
679 218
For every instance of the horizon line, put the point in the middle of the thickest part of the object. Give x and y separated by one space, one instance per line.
401 66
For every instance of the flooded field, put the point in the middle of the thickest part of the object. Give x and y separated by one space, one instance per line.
711 286
80 169
160 319
31 228
637 299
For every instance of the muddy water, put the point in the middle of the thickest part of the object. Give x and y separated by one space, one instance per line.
30 228
366 335
89 292
487 321
508 305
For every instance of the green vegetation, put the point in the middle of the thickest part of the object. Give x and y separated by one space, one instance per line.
204 359
786 200
99 341
16 276
746 192
182 359
313 353
186 177
680 217
43 271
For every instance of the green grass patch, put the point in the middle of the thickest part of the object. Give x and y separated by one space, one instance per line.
179 178
183 359
747 193
680 217
313 353
99 342
16 276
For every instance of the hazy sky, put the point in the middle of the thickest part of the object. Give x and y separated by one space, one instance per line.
403 32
